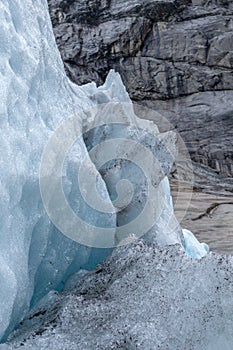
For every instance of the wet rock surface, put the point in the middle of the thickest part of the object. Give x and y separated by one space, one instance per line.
207 213
175 56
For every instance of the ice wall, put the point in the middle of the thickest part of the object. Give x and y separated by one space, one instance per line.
35 100
35 96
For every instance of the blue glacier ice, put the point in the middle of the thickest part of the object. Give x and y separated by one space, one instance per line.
36 99
193 247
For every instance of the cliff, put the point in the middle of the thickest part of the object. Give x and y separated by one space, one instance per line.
175 56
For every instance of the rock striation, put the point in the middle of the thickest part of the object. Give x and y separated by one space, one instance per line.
175 56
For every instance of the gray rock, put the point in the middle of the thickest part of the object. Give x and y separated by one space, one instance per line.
173 55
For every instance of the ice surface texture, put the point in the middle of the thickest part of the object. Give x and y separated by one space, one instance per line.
35 96
142 298
35 99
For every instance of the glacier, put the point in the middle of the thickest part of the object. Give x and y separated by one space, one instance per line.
40 246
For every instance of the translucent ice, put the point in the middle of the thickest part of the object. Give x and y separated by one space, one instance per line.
193 247
35 96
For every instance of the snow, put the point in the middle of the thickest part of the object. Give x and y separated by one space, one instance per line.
141 297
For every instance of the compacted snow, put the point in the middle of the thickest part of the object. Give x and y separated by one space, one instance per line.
141 298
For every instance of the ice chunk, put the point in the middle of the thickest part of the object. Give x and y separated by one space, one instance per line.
142 298
193 247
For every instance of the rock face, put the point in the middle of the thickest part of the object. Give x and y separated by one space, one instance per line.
175 56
